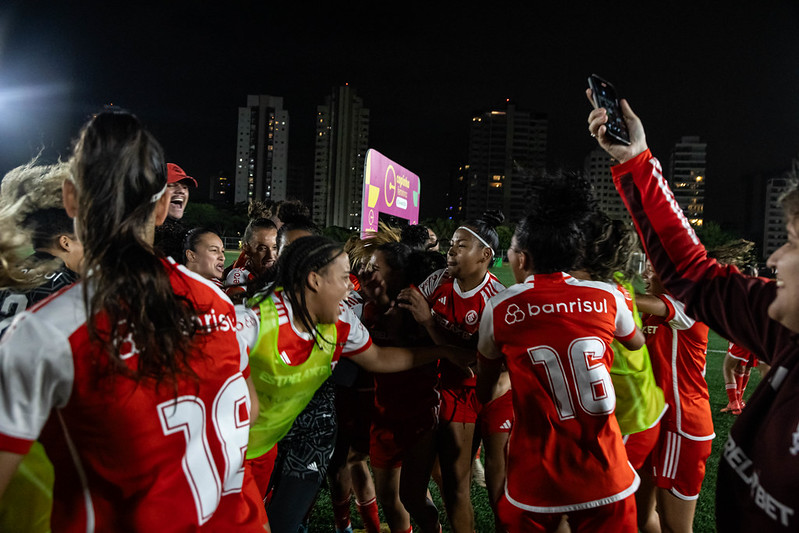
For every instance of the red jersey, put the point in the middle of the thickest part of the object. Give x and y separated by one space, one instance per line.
130 455
758 471
401 395
678 347
565 451
458 312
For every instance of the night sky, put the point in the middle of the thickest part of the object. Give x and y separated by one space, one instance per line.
729 74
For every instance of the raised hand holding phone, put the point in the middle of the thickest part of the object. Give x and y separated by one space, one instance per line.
598 127
603 94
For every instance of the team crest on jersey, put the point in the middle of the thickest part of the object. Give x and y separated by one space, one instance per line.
795 448
471 317
513 314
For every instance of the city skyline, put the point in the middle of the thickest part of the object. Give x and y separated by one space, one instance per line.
723 73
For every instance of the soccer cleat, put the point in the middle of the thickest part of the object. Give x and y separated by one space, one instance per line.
733 407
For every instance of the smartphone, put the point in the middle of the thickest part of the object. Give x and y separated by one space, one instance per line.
604 95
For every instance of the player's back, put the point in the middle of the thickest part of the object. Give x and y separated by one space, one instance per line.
555 332
139 455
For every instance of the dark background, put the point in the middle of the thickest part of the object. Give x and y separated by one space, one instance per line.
728 73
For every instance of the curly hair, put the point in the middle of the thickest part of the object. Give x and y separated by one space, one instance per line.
552 233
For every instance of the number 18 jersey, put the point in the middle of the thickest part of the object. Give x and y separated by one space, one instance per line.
565 451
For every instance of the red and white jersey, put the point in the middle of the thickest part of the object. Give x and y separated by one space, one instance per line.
294 345
237 280
565 450
678 348
132 455
458 312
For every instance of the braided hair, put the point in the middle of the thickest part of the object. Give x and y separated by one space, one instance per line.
308 254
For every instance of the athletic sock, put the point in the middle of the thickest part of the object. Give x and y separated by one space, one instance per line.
341 514
742 387
732 391
369 515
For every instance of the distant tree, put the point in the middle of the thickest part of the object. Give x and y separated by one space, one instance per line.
726 246
713 235
505 233
226 220
337 233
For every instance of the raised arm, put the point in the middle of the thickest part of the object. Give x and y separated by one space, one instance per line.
734 305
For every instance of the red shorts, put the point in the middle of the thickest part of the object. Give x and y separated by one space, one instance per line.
678 464
497 415
640 445
390 439
262 469
617 516
459 405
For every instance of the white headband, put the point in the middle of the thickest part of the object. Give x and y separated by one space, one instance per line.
157 196
479 238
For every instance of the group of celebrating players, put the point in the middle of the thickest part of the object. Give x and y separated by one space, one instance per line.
172 394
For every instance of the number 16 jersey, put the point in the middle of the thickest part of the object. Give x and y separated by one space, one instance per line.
565 451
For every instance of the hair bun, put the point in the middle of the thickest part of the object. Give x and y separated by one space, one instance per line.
493 217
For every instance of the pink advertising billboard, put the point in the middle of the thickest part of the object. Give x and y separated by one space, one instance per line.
388 188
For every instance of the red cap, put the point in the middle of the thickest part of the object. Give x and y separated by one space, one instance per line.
175 174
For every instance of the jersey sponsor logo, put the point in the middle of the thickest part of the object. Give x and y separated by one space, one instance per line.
128 348
795 448
741 464
443 300
513 314
505 425
471 317
213 321
573 306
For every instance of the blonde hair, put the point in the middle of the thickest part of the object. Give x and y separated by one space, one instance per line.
25 190
360 250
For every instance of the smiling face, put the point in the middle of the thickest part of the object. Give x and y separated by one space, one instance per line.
208 257
179 198
467 256
785 306
329 287
261 250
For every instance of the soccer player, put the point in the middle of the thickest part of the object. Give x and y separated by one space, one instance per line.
204 254
553 332
613 256
402 443
259 250
757 488
678 345
449 304
133 379
31 195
